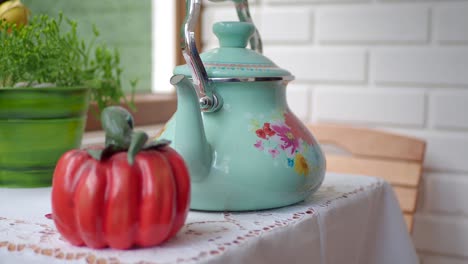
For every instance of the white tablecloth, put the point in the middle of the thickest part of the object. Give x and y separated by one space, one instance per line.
351 219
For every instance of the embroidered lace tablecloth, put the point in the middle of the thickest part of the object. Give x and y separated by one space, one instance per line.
351 219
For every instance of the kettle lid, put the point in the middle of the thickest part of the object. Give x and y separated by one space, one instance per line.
232 60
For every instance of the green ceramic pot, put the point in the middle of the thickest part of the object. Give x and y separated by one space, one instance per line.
37 125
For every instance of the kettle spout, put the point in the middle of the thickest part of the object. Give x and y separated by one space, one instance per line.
189 138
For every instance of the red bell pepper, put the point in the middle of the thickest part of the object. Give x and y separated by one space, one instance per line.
122 198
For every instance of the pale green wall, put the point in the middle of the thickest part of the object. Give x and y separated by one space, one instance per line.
125 24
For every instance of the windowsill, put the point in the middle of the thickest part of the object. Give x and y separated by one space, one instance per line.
151 109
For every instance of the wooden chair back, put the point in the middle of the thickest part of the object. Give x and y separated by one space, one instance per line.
395 158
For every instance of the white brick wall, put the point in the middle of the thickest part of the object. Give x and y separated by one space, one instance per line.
372 24
401 65
447 193
447 108
441 234
420 65
321 65
394 106
451 22
278 29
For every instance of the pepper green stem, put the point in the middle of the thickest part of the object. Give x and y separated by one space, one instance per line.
137 142
117 123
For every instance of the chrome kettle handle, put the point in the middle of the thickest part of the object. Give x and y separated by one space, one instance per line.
209 101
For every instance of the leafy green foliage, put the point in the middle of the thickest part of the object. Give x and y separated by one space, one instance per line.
46 51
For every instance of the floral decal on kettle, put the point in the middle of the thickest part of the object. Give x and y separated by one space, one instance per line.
284 133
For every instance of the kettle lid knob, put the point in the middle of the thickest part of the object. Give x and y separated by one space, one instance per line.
233 34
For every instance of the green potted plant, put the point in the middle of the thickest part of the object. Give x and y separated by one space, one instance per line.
48 76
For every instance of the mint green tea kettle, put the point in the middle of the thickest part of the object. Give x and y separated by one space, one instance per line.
244 147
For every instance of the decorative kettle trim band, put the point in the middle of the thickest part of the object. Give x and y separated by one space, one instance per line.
249 79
